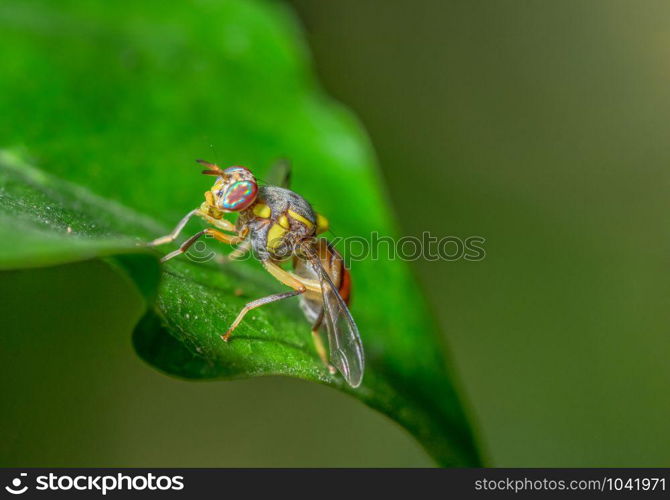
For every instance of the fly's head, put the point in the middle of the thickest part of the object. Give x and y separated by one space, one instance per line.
234 190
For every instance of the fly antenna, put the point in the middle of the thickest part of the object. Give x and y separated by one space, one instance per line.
212 169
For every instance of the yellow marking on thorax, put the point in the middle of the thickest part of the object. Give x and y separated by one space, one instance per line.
283 222
275 235
322 224
262 210
300 218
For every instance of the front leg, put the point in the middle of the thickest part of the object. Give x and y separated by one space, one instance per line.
170 237
222 224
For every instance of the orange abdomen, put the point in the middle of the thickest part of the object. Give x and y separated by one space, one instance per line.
345 284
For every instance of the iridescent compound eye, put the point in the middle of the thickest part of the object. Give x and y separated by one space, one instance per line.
239 195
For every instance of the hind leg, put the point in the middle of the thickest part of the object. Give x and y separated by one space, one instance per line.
318 344
258 303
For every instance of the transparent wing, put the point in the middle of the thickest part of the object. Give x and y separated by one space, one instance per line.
279 174
344 341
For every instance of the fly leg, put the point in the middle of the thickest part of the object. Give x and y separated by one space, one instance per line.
318 344
218 235
288 279
311 287
175 232
223 224
291 279
258 303
239 252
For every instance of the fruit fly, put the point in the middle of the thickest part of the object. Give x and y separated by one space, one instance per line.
278 226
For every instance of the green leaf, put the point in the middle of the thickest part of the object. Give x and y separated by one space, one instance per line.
115 102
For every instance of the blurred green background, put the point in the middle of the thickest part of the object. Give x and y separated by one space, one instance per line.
541 126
